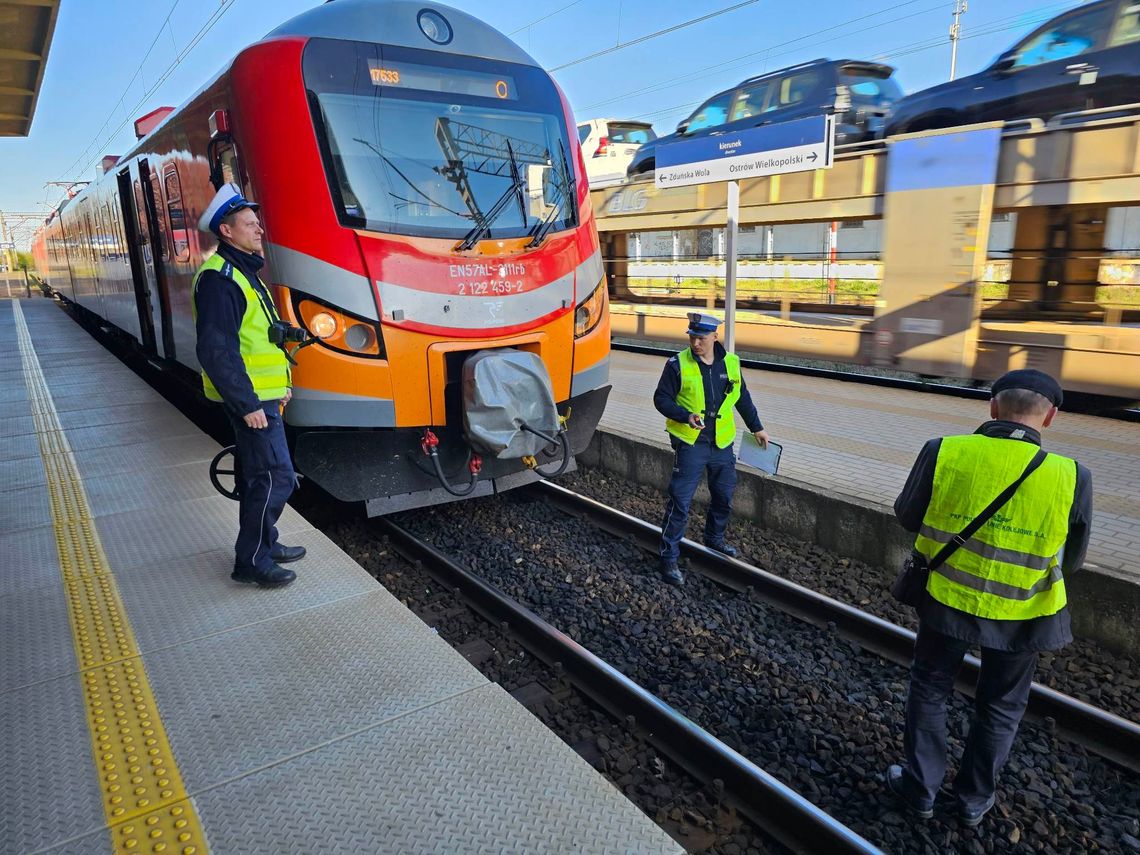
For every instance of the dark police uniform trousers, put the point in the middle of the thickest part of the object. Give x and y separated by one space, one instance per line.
689 463
266 480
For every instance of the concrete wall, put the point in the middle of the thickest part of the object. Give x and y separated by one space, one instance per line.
1105 606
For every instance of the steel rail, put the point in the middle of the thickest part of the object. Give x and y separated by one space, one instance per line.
779 810
1110 736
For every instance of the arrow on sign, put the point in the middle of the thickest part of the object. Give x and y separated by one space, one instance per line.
813 157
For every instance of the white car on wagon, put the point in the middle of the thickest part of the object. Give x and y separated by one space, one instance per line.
608 146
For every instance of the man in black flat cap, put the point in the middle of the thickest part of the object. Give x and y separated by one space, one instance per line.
1002 589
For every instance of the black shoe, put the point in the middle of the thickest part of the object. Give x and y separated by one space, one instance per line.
896 785
274 577
672 575
284 554
723 548
972 818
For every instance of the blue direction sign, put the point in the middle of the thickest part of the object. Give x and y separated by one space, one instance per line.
797 146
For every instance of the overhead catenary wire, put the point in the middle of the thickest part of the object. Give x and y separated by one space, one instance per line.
992 27
210 23
904 50
130 83
699 73
655 35
543 18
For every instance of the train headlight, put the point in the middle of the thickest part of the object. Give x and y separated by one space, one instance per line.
435 26
589 312
322 325
360 337
337 329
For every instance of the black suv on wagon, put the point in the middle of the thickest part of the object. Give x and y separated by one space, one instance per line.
859 94
1085 59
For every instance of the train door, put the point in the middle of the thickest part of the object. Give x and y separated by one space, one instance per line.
142 263
152 239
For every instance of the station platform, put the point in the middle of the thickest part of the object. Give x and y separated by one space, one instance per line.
149 704
860 440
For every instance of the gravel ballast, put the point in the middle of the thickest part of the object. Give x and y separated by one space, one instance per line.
815 711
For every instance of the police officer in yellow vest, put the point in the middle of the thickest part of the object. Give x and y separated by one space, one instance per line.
697 393
249 374
1003 590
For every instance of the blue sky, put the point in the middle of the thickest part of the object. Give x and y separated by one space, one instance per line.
97 80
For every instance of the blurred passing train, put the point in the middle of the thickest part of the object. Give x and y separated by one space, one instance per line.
427 220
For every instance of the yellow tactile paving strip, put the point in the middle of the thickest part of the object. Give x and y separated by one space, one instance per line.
144 799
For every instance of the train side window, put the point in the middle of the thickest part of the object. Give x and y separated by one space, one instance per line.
88 236
163 232
140 215
110 239
120 234
178 233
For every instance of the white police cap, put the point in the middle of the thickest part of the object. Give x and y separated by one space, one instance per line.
701 324
227 200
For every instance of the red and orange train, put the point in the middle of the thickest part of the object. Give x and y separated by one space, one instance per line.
424 201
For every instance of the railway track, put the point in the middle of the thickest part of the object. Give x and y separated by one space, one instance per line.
787 816
818 709
1097 730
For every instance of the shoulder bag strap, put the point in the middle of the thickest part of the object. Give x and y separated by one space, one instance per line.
993 507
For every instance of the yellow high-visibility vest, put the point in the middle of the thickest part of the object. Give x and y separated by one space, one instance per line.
265 362
1011 568
692 398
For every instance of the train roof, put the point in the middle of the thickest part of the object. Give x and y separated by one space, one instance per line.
397 22
386 22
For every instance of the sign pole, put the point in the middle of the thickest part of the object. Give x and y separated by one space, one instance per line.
730 266
799 146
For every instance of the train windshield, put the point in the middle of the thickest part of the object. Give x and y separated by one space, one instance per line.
439 145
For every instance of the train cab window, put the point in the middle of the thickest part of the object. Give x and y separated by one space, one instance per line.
712 114
583 133
1071 36
178 232
1127 29
430 144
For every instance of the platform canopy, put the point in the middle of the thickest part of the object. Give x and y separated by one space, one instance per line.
26 28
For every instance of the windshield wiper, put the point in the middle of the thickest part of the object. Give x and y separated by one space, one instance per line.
565 192
483 226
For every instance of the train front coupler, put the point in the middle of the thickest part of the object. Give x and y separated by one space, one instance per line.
509 411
